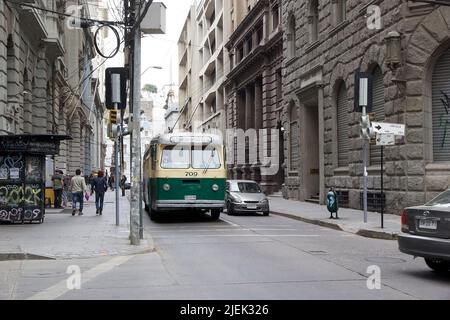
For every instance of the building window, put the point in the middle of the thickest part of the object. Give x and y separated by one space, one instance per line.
441 109
340 11
291 38
275 17
343 125
294 136
378 110
313 20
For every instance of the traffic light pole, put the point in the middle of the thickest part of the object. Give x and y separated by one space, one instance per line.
117 172
365 174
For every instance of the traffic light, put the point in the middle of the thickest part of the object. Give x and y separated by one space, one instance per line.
116 88
113 116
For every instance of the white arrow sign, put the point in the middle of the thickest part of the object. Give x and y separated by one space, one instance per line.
385 140
389 128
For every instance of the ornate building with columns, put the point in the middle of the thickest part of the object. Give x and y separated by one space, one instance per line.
254 92
325 44
46 85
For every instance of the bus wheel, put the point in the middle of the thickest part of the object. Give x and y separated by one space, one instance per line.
154 215
215 214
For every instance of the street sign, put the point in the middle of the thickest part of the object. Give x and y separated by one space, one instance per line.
389 128
385 139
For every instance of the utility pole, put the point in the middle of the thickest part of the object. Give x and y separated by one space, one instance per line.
136 126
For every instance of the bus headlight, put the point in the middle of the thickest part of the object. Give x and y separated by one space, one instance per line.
215 187
166 187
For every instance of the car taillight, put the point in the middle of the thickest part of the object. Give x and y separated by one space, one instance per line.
405 227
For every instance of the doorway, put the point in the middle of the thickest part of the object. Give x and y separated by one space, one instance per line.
311 167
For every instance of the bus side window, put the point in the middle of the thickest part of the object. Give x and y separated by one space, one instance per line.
153 151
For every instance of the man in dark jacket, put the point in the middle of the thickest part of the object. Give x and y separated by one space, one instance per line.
99 185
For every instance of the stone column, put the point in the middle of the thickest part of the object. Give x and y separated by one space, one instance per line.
74 156
321 106
258 125
249 114
3 67
39 118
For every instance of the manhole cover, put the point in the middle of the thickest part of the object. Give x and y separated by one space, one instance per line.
384 260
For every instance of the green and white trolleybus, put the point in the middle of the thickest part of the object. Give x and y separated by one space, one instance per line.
184 171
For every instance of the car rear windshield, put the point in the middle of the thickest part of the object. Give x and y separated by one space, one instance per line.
245 187
441 200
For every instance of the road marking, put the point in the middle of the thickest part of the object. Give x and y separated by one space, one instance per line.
224 230
229 222
60 288
243 235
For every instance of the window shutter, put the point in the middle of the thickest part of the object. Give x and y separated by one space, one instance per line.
294 138
378 109
441 109
343 126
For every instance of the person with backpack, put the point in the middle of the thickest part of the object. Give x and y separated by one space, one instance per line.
99 185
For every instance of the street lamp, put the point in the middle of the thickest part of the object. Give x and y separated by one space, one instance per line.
151 67
393 50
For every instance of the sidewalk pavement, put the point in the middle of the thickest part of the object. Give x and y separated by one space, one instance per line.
63 236
350 220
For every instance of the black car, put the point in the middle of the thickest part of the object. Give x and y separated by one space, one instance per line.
426 232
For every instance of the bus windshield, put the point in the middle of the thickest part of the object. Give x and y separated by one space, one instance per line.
175 158
185 157
206 158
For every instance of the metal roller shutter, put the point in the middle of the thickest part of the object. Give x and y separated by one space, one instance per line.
378 109
294 138
441 109
343 126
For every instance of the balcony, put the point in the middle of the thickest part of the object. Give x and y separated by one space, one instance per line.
55 39
33 21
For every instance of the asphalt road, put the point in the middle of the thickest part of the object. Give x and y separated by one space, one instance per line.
239 257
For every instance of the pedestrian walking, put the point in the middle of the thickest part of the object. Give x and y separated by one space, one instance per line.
58 185
122 184
99 186
77 188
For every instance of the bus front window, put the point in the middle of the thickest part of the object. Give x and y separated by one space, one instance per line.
205 158
175 158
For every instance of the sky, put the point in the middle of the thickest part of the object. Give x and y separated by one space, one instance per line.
162 50
157 50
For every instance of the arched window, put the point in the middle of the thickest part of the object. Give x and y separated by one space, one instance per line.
378 109
291 38
314 20
441 109
340 11
343 125
294 136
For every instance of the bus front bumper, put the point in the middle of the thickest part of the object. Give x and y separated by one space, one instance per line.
184 204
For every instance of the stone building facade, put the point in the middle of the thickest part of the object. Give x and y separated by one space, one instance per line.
325 43
45 82
254 93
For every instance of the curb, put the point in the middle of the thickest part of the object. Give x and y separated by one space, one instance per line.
320 223
377 234
22 256
362 232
